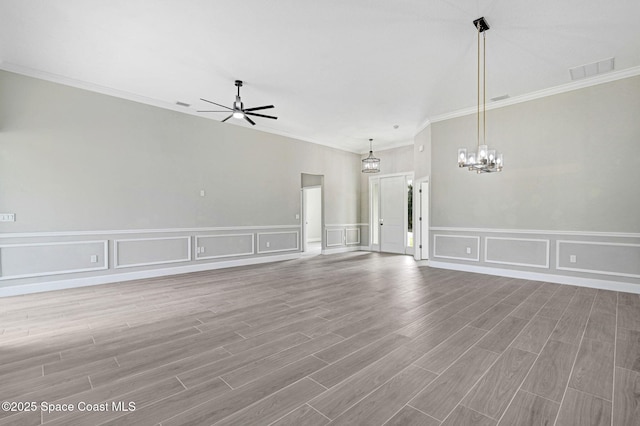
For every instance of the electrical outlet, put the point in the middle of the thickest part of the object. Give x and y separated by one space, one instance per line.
94 258
202 193
297 216
468 250
573 258
268 244
201 249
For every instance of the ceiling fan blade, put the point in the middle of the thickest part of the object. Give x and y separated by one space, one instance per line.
217 104
259 108
249 120
260 115
227 118
212 111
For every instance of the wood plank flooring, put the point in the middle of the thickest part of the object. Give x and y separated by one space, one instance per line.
349 339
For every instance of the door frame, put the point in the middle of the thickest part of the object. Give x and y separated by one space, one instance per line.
303 222
421 246
372 179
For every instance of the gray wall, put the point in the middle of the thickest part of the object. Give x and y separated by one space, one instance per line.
422 159
570 174
73 160
570 164
395 160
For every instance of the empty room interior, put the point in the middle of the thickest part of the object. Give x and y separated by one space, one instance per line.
320 212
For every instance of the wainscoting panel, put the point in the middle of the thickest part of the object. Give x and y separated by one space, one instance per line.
460 247
334 237
151 251
352 236
609 260
228 245
599 258
517 251
271 242
52 258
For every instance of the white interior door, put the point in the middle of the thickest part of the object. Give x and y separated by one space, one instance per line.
392 214
424 222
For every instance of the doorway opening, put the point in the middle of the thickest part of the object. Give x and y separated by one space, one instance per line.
391 213
312 214
312 219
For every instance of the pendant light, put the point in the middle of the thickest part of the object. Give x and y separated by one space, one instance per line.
371 164
485 160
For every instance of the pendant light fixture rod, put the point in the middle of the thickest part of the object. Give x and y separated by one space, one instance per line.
478 115
484 88
484 160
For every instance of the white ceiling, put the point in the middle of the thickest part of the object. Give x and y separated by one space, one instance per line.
338 72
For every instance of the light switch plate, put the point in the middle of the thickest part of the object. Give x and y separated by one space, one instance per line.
7 217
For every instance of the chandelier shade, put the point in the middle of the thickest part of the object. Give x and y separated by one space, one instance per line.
484 159
370 164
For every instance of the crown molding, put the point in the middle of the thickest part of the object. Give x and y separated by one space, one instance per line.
110 91
422 126
563 88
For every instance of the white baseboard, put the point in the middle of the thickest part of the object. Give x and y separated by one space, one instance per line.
537 276
129 276
340 250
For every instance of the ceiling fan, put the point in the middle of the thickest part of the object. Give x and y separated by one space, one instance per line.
239 111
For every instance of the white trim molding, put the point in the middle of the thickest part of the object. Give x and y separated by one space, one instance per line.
48 234
531 265
587 270
92 87
116 262
471 259
338 225
536 231
340 230
297 247
104 266
198 257
538 276
346 236
138 275
563 88
340 250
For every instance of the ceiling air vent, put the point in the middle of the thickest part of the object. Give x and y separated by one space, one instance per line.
589 70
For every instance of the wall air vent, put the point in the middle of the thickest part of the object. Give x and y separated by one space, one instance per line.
589 70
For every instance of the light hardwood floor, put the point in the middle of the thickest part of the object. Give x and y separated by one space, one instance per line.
357 338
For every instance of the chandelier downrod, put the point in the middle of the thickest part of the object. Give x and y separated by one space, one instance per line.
484 160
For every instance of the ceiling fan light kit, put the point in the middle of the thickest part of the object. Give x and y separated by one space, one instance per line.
484 160
239 111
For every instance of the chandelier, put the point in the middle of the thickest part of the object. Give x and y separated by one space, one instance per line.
484 160
370 164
